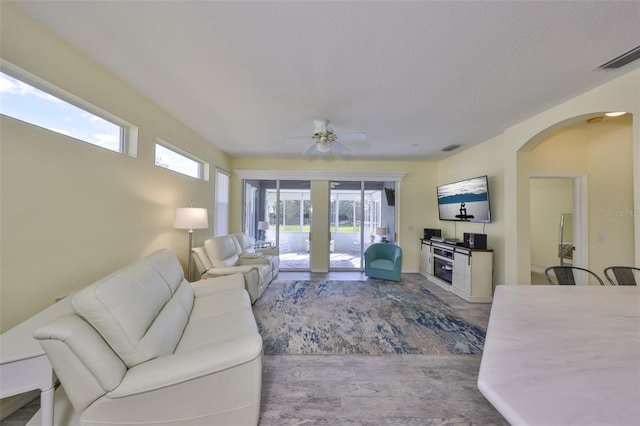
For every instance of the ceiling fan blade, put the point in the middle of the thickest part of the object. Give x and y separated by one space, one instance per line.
352 136
339 148
310 151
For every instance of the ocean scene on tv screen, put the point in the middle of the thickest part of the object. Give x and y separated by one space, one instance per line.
467 200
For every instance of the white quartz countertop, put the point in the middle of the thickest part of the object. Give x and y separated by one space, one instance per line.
564 355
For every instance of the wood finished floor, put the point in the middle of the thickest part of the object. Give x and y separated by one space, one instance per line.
377 390
373 390
368 390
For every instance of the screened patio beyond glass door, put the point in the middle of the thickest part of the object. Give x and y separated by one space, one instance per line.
279 214
293 221
358 210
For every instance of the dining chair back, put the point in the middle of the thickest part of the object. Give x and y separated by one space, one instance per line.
566 275
622 275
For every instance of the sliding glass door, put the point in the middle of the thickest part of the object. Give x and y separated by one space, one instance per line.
345 225
294 221
259 214
279 213
360 215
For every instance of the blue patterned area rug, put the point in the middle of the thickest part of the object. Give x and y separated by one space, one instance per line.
371 317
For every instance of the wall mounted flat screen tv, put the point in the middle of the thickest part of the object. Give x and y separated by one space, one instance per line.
467 200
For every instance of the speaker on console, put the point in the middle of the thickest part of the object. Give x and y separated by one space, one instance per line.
475 241
428 233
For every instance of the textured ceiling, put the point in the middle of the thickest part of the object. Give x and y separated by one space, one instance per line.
415 76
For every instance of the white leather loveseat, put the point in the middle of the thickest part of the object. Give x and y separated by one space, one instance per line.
144 346
232 254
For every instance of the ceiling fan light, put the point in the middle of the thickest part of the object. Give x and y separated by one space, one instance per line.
323 146
615 114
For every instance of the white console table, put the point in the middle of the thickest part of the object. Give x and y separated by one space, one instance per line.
466 272
563 355
23 363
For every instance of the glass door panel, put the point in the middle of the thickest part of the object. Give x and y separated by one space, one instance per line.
294 220
381 196
362 213
256 212
278 213
345 225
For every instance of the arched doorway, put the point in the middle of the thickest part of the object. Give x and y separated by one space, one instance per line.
601 229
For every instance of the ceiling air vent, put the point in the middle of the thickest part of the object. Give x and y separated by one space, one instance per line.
450 147
622 60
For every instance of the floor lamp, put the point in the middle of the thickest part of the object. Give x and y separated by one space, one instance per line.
191 218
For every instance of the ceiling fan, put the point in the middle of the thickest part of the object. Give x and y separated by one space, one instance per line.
326 140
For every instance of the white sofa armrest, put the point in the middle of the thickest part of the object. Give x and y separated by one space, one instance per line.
250 255
228 270
180 367
273 251
253 261
210 285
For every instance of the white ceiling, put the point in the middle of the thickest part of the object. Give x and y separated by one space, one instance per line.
415 76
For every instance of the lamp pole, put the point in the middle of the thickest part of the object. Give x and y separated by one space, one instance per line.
189 267
190 218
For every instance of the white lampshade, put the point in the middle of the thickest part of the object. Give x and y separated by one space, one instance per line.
381 230
191 218
263 225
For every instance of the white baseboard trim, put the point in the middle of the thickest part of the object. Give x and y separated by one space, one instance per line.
538 269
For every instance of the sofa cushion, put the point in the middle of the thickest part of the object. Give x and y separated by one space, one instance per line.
220 303
383 264
218 328
201 259
168 267
245 243
222 251
141 310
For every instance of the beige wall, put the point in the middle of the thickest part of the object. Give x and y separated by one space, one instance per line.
550 197
506 159
604 153
72 212
415 198
622 94
483 159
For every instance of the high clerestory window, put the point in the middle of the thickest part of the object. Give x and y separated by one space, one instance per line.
54 109
173 158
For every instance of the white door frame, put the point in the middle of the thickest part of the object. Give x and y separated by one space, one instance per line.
580 216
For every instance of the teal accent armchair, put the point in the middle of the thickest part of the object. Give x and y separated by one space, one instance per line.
383 261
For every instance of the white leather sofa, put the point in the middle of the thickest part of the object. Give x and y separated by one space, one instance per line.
144 346
232 254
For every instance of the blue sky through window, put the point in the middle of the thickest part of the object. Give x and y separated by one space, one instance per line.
169 159
27 103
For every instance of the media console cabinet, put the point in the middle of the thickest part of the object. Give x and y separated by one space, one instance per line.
466 272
